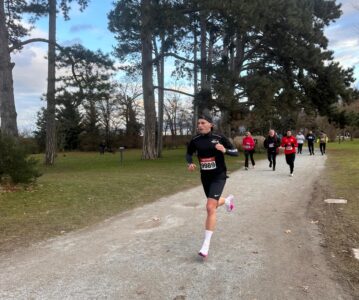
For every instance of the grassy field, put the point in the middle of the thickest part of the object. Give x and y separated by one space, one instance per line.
341 222
85 188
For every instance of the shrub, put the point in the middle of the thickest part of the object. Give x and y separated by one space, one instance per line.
15 163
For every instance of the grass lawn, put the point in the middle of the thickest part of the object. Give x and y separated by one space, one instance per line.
341 226
343 174
85 188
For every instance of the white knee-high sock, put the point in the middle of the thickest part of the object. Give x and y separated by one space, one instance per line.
206 242
227 201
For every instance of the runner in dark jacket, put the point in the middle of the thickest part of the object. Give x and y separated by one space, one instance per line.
311 140
272 144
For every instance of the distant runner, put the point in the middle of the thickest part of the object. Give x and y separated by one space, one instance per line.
323 139
272 144
300 139
248 146
311 140
289 143
210 149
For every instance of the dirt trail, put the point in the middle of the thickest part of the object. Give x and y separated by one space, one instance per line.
266 249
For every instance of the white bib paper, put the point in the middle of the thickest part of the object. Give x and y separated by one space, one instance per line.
208 163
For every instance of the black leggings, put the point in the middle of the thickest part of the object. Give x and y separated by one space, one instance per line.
248 153
311 148
272 155
300 147
322 147
290 161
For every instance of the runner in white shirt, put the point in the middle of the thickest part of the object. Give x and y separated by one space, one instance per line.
300 140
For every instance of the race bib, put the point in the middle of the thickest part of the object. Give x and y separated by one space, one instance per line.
271 145
247 146
208 163
288 148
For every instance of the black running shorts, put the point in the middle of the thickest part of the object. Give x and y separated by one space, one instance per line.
213 185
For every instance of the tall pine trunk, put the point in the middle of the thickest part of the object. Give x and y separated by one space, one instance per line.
50 111
160 67
160 106
149 136
7 101
203 25
195 81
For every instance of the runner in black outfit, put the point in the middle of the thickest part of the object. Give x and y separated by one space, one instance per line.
210 149
272 143
311 140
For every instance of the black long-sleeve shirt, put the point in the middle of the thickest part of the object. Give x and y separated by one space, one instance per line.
210 159
271 143
310 138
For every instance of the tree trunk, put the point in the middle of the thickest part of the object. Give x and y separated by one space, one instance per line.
160 107
195 81
149 136
203 24
50 111
7 101
160 66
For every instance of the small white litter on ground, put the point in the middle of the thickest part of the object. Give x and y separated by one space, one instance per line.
356 253
336 201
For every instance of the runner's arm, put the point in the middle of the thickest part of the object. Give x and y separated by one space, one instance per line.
230 149
295 142
190 150
265 144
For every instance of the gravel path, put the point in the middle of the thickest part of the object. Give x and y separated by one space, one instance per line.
266 249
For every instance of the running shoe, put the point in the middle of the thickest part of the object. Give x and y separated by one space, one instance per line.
291 174
270 164
229 202
202 254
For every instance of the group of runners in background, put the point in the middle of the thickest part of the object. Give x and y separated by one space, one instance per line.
211 148
292 146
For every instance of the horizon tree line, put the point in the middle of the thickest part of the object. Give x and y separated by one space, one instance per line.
265 59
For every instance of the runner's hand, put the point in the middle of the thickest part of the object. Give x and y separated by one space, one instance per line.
221 148
191 167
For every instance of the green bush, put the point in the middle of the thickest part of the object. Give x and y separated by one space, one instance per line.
15 163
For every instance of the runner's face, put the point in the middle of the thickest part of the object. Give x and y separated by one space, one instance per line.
204 126
289 133
271 132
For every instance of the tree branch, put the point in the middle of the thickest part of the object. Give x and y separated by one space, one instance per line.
34 40
158 57
180 57
62 49
173 90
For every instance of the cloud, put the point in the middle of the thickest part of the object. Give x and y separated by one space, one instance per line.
81 27
349 6
30 70
343 36
75 41
30 80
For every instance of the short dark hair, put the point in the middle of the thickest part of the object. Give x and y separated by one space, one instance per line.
206 117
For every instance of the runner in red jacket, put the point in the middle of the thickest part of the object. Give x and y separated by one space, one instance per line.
289 143
248 146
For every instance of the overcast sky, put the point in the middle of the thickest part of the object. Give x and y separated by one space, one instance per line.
90 29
